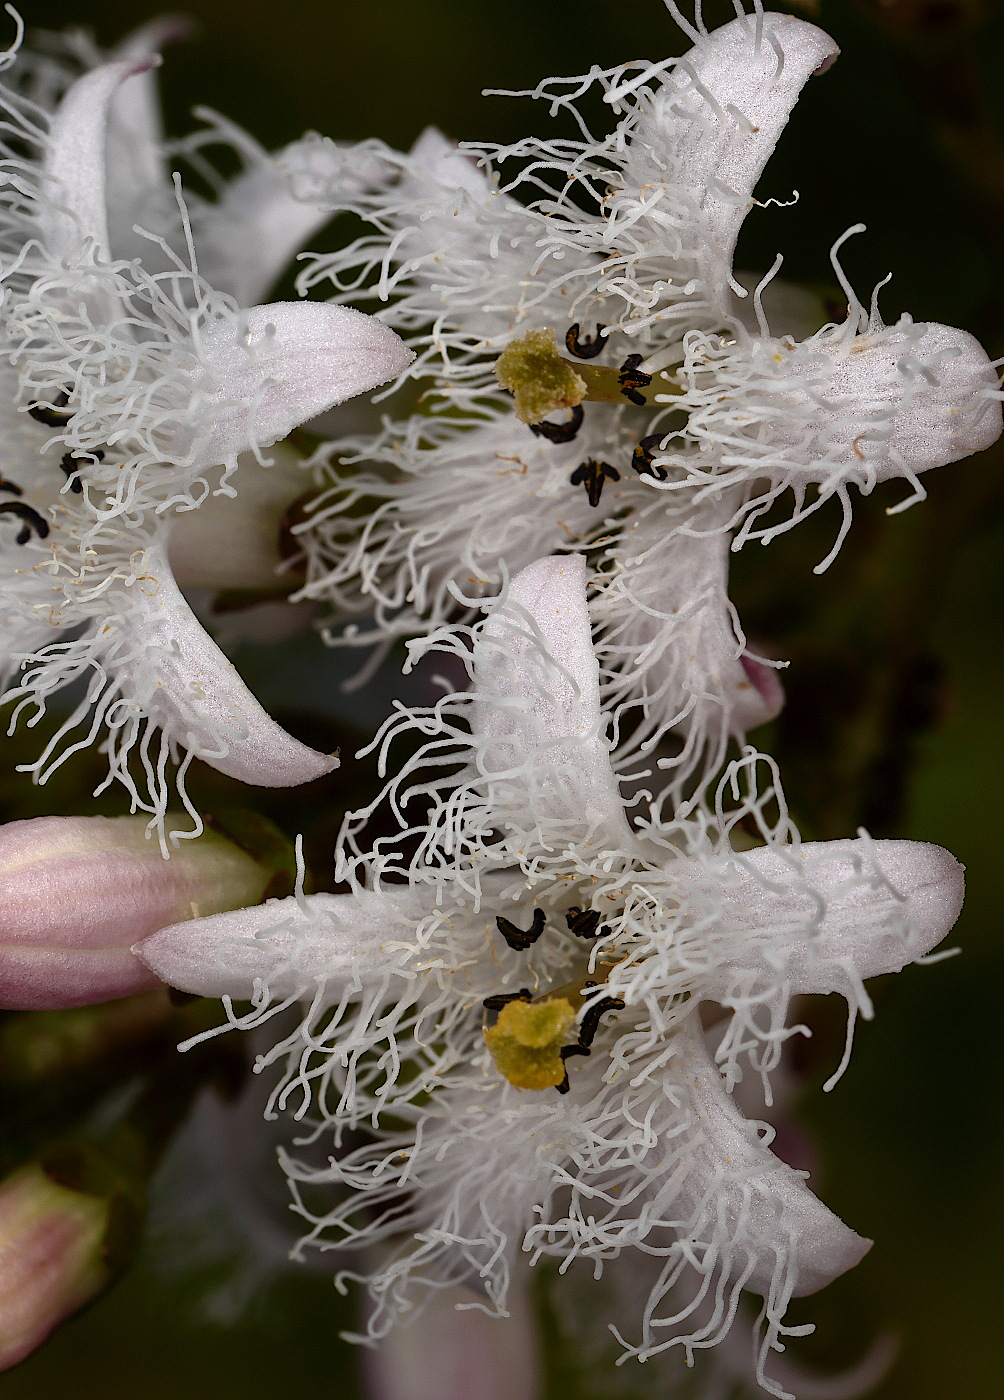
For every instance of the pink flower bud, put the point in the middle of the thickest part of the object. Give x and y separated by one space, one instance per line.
77 892
763 700
51 1257
453 1351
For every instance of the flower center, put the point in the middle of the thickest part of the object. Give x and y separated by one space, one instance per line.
542 381
529 1041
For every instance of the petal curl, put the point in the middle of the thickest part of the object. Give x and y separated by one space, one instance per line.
538 719
735 91
287 363
288 944
701 141
75 158
188 687
440 159
778 1223
139 189
671 654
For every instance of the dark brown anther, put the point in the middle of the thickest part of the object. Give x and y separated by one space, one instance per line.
584 923
520 939
51 416
631 379
591 1020
71 466
501 999
560 432
10 486
587 1033
641 461
585 347
592 474
31 518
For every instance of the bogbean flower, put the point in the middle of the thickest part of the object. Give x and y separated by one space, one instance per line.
127 395
657 412
508 1000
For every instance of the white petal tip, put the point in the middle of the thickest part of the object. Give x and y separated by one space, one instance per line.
204 957
819 1263
933 882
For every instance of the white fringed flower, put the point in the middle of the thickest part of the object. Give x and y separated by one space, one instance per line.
127 395
625 243
591 1118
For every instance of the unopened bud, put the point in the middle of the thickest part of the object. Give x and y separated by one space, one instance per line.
61 1243
454 1351
77 892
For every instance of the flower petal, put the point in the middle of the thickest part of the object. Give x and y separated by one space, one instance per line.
268 212
776 1220
441 160
75 158
289 945
819 916
284 364
139 190
931 392
738 92
182 680
537 719
671 655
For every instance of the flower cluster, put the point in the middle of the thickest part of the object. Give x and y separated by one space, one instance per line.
133 389
693 422
591 1116
546 1017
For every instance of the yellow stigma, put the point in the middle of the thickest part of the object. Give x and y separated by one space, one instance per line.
537 377
527 1039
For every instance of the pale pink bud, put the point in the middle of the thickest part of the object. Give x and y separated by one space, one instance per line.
51 1257
454 1351
77 892
763 697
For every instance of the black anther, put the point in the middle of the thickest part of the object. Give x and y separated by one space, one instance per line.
641 461
631 379
592 474
10 486
51 416
584 347
560 432
31 518
521 939
71 466
584 922
587 1033
501 999
591 1020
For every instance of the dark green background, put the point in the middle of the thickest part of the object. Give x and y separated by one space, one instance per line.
895 688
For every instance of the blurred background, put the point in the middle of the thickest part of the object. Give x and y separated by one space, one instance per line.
894 692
